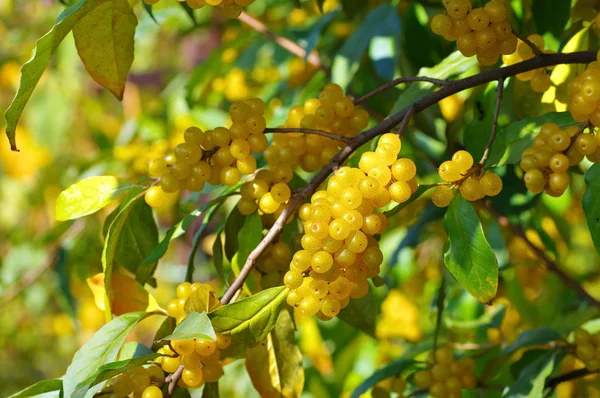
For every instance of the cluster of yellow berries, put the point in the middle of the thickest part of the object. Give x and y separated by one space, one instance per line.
332 112
584 95
230 8
273 263
472 182
219 156
539 79
142 381
267 191
553 151
396 385
446 376
200 358
339 251
480 31
587 348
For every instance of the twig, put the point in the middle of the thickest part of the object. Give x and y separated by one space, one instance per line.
585 126
173 379
551 265
575 374
402 128
322 133
525 40
387 125
402 80
287 44
488 147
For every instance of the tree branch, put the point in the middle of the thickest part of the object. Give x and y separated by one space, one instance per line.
172 380
387 125
402 80
525 40
553 382
488 147
322 133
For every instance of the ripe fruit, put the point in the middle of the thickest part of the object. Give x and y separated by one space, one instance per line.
446 376
539 79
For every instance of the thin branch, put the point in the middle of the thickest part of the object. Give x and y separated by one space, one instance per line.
402 80
551 265
575 374
488 147
525 40
388 124
287 44
322 133
585 126
409 114
173 379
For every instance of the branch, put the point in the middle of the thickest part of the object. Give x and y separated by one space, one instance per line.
287 44
585 126
322 133
387 125
488 147
525 40
575 374
172 380
551 265
402 80
410 111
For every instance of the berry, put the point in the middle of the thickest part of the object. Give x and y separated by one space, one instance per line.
442 196
152 392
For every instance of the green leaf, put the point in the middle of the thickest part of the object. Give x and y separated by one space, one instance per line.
194 326
551 16
234 223
101 349
477 133
248 237
211 390
189 274
591 204
104 41
86 197
32 70
41 387
513 139
315 32
217 251
532 378
469 257
386 372
275 365
361 313
109 371
533 337
251 319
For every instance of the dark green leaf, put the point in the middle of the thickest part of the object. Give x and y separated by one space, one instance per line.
317 28
551 16
38 388
166 328
477 133
591 203
232 227
189 274
469 257
361 313
148 8
386 372
218 257
532 378
189 11
194 326
533 337
211 390
249 236
251 319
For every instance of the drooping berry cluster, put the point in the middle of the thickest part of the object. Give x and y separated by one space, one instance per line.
339 251
199 357
446 376
483 31
268 191
584 95
142 381
219 156
230 8
539 79
553 151
472 182
587 348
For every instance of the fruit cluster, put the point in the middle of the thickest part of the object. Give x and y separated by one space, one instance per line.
472 182
587 348
142 381
268 191
219 156
539 79
396 385
584 95
272 264
483 31
332 112
553 151
339 251
446 376
199 357
230 8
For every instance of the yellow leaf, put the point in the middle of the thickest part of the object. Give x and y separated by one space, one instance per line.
127 295
202 300
313 346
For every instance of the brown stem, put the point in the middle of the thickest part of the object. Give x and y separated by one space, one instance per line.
488 147
525 40
172 380
585 126
555 381
387 125
322 133
402 80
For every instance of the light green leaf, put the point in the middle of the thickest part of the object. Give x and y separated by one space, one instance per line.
361 313
533 337
251 319
248 237
39 388
531 380
386 372
101 349
469 257
86 197
591 203
194 326
104 41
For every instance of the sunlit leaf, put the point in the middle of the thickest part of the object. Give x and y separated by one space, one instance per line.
193 326
127 295
532 378
41 387
86 197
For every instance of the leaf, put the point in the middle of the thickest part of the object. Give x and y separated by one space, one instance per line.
211 390
532 378
251 319
513 139
127 295
533 337
315 32
234 223
39 388
382 21
469 257
551 16
101 349
386 372
361 313
591 204
104 41
217 251
477 132
189 274
202 300
32 70
86 197
109 371
248 237
275 365
193 326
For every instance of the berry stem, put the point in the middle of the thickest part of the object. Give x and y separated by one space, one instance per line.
402 80
585 126
525 40
488 147
284 130
172 380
